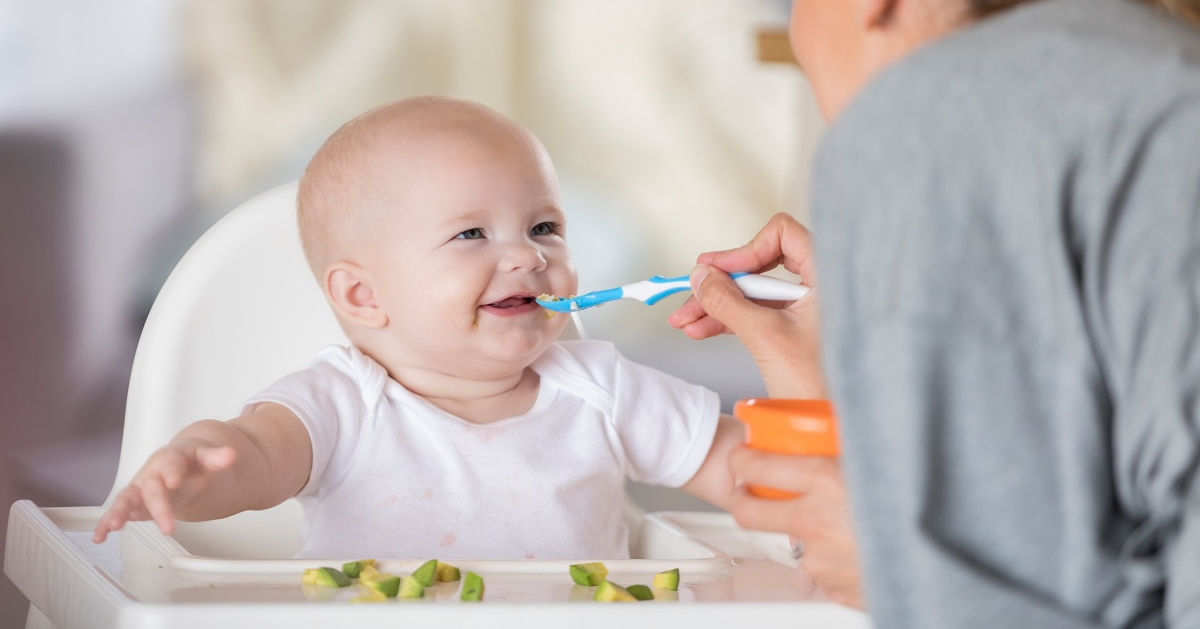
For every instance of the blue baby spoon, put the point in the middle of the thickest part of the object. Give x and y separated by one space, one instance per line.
651 291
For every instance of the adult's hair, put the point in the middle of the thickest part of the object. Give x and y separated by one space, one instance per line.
1186 9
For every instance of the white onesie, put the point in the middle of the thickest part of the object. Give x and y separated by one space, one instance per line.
393 476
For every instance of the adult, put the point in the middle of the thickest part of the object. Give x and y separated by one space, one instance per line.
1008 210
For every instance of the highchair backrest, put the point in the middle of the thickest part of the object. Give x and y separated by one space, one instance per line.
239 311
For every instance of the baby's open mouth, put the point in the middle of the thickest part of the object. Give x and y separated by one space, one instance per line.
511 302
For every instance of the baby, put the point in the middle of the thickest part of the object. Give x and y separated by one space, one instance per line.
455 425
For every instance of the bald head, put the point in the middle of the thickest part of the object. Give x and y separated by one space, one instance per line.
346 190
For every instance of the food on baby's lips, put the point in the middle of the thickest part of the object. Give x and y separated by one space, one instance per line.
386 584
425 574
588 573
640 592
668 580
610 592
446 572
547 297
410 587
324 575
353 568
472 588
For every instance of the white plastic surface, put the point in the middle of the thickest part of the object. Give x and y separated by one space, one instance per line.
729 578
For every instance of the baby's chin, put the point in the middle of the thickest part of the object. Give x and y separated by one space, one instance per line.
518 350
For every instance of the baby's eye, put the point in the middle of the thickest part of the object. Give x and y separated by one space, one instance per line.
474 233
544 229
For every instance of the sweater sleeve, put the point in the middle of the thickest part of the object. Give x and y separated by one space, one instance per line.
1146 313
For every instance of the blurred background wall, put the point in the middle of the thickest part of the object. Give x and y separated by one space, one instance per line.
128 127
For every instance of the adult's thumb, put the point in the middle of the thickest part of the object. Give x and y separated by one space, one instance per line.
722 299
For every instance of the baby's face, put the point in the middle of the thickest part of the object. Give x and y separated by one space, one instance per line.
476 234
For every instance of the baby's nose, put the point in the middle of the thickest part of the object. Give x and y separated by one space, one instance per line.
523 257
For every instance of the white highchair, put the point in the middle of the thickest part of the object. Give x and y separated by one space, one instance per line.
240 310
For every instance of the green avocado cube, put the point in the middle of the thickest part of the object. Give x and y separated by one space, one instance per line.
640 592
331 577
446 573
353 568
588 573
309 577
425 573
668 580
610 592
410 587
472 588
385 584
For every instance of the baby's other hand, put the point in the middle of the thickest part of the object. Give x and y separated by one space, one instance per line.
173 476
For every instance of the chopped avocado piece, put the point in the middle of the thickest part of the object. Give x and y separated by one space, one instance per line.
610 592
385 584
410 587
368 572
424 574
472 588
668 580
331 577
446 572
309 577
588 573
353 568
640 592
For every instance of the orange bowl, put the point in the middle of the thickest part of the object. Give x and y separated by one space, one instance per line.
780 426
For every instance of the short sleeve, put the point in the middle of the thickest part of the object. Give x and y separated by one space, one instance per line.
665 425
330 399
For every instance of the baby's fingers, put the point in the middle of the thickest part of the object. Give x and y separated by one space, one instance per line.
125 507
172 466
215 459
158 503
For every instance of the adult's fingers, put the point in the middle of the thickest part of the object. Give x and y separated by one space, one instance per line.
783 240
691 318
763 514
787 472
720 297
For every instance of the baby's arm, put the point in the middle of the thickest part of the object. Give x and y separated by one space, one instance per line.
714 480
213 469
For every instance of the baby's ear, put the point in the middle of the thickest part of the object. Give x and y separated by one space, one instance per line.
349 289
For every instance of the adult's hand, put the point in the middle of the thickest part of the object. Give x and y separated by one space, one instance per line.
782 337
819 518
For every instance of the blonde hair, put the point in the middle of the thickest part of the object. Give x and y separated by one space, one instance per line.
330 203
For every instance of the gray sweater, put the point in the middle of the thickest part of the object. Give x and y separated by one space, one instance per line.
1008 230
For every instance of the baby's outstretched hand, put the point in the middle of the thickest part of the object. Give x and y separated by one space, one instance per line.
174 475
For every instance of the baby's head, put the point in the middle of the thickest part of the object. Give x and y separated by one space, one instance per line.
431 224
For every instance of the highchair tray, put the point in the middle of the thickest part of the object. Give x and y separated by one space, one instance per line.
141 578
